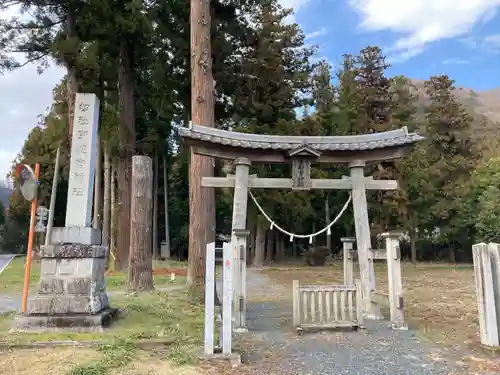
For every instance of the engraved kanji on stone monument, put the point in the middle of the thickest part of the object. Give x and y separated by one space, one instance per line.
82 163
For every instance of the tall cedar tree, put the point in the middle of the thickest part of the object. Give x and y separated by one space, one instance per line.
374 97
331 118
375 102
272 81
450 156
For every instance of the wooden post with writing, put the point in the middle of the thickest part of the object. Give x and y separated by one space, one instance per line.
201 200
140 268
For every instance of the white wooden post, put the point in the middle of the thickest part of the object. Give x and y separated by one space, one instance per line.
396 304
296 303
485 290
494 250
241 236
363 241
348 243
240 201
227 294
209 299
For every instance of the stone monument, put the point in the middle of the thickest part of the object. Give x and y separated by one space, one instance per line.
71 294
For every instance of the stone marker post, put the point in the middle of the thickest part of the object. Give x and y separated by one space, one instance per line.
348 243
487 276
396 304
71 293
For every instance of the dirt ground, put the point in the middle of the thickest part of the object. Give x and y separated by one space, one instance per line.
440 304
440 299
61 361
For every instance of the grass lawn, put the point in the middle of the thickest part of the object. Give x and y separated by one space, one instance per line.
440 299
175 317
12 278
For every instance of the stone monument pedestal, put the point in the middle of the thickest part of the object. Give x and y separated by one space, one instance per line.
72 294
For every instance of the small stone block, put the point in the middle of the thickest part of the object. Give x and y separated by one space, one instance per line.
60 306
392 234
79 285
72 235
66 267
85 266
51 286
48 267
41 305
73 251
348 239
399 327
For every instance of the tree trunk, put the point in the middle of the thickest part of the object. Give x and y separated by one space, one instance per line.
280 247
126 77
96 220
140 267
155 209
451 255
260 244
113 220
166 254
201 201
327 221
107 200
413 244
269 246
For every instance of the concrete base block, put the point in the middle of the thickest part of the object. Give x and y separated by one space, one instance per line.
82 235
72 291
399 327
64 323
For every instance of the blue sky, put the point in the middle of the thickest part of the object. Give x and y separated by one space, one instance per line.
460 38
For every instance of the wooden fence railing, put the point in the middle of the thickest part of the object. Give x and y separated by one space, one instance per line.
327 306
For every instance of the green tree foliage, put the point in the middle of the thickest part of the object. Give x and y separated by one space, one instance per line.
450 155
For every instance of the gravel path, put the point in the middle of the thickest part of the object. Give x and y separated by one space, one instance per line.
379 350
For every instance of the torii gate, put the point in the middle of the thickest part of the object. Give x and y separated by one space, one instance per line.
244 149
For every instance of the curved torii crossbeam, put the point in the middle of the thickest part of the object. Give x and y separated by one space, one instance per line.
301 152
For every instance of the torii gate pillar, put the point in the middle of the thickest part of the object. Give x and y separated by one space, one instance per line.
239 241
363 239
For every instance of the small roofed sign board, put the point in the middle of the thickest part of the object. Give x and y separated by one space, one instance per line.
28 183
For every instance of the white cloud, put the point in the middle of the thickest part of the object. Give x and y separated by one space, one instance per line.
317 33
455 61
296 5
492 42
422 21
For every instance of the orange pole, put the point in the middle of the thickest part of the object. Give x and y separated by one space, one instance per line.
31 236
